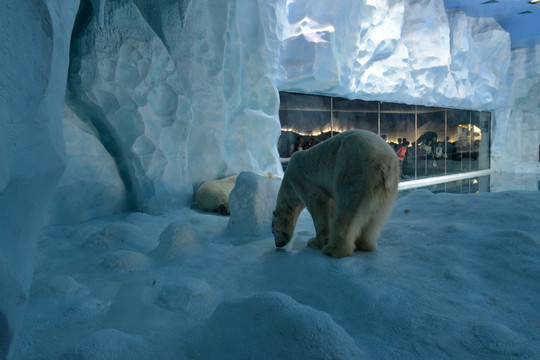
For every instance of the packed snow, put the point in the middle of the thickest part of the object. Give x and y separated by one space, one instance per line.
164 95
454 277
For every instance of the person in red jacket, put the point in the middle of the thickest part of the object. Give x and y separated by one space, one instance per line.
401 153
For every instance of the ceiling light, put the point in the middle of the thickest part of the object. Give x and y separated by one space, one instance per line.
534 1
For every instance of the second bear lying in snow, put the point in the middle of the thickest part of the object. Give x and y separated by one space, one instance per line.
213 195
348 183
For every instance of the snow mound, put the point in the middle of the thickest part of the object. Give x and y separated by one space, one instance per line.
177 239
277 328
125 261
109 344
59 287
187 294
120 236
251 202
491 338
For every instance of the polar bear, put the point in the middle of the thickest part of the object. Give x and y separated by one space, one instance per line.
348 183
213 195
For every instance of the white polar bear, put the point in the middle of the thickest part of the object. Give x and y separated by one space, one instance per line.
213 195
348 184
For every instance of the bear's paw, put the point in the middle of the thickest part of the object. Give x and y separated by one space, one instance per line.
317 242
338 250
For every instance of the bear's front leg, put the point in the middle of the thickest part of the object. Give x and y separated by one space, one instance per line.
321 208
317 242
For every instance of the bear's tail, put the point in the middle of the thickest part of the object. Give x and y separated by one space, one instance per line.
389 172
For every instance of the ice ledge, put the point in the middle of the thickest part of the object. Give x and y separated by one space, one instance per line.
413 52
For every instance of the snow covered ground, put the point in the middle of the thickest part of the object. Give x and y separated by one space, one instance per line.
454 277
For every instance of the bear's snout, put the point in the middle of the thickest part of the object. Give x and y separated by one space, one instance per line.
281 243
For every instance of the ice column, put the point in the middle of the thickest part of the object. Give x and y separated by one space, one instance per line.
124 82
34 57
516 134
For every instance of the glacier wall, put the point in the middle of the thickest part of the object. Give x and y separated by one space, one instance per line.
34 61
124 83
516 136
186 91
91 183
397 51
177 100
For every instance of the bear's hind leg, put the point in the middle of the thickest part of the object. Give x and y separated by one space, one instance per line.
367 239
321 208
341 240
349 217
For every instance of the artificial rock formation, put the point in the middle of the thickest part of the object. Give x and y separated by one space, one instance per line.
34 61
184 92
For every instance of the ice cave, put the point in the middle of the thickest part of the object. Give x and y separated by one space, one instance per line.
113 113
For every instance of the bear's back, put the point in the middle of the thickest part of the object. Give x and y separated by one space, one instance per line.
360 143
366 144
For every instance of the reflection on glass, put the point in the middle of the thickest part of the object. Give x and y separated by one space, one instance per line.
480 122
466 186
460 135
398 128
429 141
355 114
305 121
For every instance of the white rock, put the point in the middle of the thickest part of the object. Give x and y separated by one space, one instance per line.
251 203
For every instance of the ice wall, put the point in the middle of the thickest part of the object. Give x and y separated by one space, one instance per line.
228 56
178 93
186 91
34 38
91 183
516 134
399 51
124 82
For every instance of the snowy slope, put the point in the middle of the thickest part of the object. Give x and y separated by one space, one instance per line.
455 277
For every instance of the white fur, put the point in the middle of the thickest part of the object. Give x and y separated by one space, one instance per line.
348 184
213 195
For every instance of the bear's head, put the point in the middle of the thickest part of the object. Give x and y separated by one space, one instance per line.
281 229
